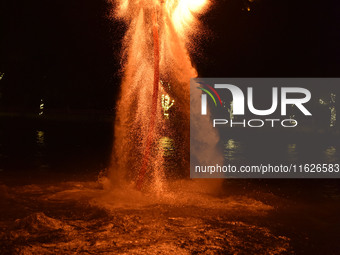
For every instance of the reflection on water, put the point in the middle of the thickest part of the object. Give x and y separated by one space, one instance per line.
233 151
27 147
40 153
40 137
167 145
239 150
331 155
292 153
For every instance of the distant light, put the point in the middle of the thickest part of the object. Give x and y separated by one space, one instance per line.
41 107
167 103
333 116
322 102
231 115
230 109
165 84
331 107
2 75
333 96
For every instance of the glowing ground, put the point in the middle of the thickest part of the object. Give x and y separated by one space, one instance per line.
75 217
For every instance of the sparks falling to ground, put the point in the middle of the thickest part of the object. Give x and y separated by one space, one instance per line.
155 52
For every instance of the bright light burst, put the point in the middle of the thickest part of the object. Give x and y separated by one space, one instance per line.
181 12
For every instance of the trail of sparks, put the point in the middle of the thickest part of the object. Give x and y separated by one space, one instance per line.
154 50
150 136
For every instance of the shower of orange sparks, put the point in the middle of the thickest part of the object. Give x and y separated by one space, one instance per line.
150 136
169 57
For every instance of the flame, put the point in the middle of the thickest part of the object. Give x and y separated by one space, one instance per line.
183 12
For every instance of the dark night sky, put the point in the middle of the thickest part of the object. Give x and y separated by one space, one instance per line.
67 51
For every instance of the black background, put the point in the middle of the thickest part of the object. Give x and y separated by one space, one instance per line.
68 52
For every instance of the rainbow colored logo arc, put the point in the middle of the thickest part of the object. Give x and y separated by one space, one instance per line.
209 93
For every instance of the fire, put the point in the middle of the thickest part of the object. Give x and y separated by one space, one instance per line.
154 49
182 12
